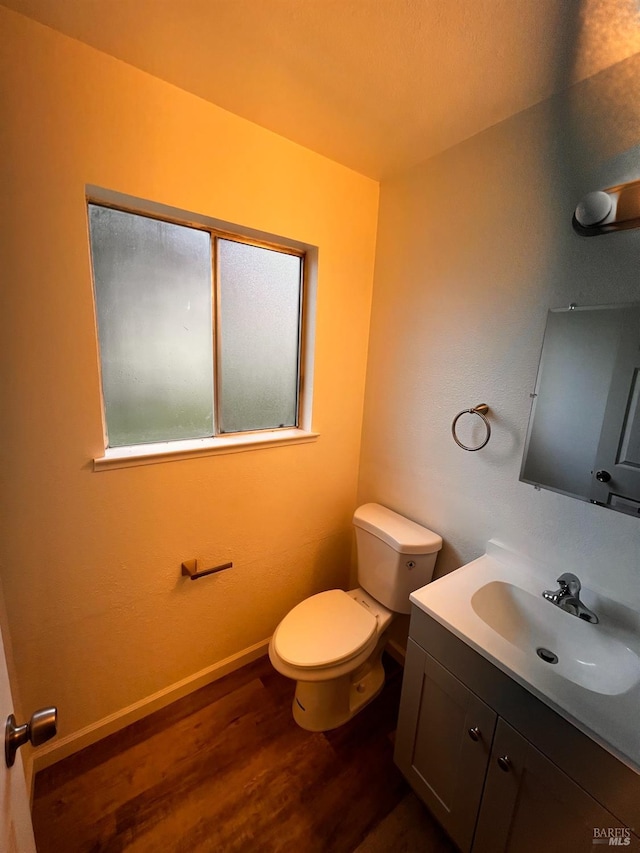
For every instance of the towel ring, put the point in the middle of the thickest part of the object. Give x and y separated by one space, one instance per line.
480 410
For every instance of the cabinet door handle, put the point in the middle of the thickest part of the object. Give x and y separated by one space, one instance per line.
475 734
504 763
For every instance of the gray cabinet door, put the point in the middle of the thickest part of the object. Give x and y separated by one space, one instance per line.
530 805
443 743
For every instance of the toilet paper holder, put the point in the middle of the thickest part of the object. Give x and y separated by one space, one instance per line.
190 569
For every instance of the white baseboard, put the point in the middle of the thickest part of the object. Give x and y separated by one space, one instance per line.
59 749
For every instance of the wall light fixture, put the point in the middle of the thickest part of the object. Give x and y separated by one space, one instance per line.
613 209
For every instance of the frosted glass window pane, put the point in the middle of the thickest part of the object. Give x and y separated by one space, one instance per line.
153 300
259 329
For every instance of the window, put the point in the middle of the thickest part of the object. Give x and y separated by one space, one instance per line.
199 331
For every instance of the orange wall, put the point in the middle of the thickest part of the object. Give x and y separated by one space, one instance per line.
98 613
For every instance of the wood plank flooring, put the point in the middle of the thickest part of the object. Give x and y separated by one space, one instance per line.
227 769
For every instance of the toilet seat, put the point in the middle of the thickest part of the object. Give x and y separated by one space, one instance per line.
327 629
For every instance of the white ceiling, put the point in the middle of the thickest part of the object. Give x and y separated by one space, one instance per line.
377 85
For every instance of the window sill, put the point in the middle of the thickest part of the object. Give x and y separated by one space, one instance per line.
169 451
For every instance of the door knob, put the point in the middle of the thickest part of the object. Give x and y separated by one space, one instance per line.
603 476
475 734
504 763
42 726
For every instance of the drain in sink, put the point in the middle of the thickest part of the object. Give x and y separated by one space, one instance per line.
546 655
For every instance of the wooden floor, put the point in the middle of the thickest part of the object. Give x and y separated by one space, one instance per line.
227 769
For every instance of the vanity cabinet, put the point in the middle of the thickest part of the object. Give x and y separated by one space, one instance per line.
497 767
530 804
443 743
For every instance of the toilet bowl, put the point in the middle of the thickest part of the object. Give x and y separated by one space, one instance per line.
331 644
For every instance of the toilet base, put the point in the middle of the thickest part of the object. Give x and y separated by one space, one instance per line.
319 706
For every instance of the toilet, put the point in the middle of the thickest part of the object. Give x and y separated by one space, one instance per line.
331 644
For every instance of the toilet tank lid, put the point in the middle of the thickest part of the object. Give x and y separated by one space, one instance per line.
400 533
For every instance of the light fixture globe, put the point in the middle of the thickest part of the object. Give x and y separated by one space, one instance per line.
594 209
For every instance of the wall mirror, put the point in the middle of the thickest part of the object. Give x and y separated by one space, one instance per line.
583 438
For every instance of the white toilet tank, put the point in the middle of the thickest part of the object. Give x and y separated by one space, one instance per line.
395 555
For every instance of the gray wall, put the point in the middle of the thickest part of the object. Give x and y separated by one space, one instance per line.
474 247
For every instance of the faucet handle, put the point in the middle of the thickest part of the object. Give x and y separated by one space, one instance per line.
571 583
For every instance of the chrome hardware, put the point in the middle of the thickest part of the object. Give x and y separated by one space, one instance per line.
504 763
42 726
475 734
570 583
546 655
480 410
567 598
603 476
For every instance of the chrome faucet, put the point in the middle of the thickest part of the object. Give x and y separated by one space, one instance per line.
568 598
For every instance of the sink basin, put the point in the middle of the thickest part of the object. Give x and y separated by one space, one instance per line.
586 654
494 605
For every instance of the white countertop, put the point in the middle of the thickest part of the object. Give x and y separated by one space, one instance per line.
604 706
